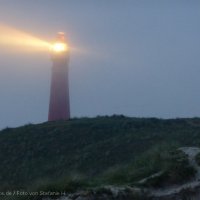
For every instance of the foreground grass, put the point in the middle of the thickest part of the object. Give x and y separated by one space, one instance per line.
84 153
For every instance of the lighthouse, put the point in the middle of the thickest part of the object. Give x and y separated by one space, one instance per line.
59 104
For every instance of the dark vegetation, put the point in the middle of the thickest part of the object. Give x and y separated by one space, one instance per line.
89 152
197 158
175 171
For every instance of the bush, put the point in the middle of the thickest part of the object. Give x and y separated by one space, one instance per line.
153 161
197 158
178 170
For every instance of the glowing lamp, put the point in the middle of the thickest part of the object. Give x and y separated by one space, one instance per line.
59 47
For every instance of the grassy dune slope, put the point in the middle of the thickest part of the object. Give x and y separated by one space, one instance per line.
101 150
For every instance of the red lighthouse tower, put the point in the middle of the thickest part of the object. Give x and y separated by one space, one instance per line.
59 105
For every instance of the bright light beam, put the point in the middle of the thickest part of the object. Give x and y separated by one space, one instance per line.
10 37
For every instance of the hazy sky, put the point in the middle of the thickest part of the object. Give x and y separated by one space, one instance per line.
133 57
